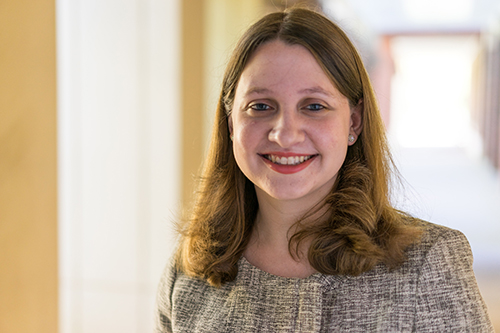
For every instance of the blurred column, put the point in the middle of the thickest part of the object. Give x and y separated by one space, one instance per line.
192 75
28 188
119 159
486 114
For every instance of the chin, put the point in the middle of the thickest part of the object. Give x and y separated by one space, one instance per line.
286 195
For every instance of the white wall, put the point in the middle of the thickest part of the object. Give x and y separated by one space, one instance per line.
119 130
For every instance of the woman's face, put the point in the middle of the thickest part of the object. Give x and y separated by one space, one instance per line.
290 125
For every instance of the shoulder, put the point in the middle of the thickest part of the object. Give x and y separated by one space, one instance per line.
435 232
442 255
447 296
438 243
163 311
167 281
190 304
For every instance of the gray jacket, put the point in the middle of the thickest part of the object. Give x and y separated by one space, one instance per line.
433 291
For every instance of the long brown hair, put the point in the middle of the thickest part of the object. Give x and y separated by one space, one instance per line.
360 228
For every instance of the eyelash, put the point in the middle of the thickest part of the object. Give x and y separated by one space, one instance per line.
260 107
317 107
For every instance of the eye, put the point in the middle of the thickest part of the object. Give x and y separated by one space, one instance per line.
315 107
260 107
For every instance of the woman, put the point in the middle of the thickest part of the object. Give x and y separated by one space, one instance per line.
293 230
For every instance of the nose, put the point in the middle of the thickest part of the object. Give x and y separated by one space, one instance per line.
287 129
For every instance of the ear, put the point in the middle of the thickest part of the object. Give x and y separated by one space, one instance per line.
357 119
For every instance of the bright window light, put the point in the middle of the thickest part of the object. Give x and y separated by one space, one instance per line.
426 11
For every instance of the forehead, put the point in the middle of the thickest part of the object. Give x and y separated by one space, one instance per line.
277 65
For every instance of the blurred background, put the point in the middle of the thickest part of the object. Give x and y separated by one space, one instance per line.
105 112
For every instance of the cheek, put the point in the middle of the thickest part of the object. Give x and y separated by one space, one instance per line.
246 139
248 132
332 133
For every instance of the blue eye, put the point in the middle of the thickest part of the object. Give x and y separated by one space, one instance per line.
315 107
260 107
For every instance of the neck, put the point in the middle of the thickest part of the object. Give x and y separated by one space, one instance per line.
275 222
268 246
275 218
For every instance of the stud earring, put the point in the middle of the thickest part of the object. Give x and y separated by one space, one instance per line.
232 137
351 138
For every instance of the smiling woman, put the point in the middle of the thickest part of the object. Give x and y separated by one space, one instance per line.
293 229
286 121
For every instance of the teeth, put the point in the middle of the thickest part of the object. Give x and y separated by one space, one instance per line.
292 160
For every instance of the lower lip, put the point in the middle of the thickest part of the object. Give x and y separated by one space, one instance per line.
288 169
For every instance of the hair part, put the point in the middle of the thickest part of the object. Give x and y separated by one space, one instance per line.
360 228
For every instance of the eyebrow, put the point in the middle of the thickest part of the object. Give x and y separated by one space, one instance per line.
257 90
316 90
312 90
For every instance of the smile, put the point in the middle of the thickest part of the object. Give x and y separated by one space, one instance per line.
291 160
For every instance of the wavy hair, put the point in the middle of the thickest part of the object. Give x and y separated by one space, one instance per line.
360 228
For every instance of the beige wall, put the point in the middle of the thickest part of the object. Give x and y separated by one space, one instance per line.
28 224
192 50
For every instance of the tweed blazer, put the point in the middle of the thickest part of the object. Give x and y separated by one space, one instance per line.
433 291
